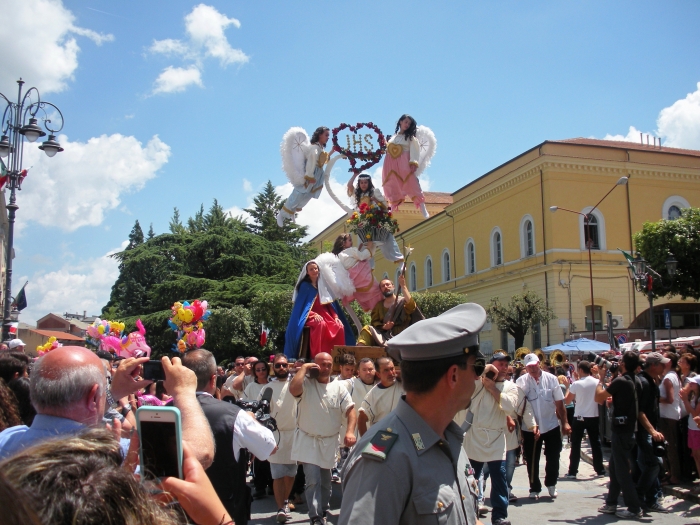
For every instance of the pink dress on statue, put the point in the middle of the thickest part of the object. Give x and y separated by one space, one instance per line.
398 181
367 293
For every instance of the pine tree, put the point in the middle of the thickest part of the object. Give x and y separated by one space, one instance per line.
263 213
196 224
175 225
135 237
151 233
216 216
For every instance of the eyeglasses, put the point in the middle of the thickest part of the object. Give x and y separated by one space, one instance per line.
240 364
281 365
479 366
261 369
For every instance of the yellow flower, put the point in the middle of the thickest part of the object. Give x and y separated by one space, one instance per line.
368 236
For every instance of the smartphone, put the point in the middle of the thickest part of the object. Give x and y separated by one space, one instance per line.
153 370
491 375
160 434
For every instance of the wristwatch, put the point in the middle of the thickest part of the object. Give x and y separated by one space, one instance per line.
110 399
126 409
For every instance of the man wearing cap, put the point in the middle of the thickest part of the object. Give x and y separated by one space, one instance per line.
382 399
648 486
16 345
490 437
544 394
412 468
625 390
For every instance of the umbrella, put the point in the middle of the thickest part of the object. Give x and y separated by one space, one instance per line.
579 345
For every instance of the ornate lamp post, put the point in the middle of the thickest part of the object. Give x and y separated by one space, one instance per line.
622 181
19 123
642 276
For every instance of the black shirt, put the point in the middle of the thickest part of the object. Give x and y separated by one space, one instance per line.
622 390
649 399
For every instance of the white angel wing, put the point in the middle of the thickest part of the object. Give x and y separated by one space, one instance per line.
427 144
295 144
334 281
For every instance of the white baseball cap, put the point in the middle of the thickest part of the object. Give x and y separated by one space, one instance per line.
15 343
531 359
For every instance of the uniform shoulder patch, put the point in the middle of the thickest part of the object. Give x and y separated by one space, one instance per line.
379 446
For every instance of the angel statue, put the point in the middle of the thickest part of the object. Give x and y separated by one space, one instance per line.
303 161
409 152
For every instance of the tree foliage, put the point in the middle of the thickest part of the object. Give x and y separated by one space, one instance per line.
680 237
213 258
264 222
433 304
518 316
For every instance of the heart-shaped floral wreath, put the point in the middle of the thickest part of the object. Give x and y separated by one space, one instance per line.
370 157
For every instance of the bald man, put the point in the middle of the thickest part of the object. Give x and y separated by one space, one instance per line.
69 390
320 410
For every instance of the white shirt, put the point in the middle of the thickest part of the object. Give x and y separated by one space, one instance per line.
542 395
670 410
380 401
283 410
252 391
584 389
248 433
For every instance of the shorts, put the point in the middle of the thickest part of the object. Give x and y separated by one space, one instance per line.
282 470
693 439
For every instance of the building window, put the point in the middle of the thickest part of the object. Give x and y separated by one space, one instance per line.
413 282
529 239
598 318
445 266
471 257
496 249
590 232
428 272
672 207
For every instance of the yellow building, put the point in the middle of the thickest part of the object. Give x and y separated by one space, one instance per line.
498 236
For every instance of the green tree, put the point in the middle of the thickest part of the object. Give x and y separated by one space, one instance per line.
175 225
135 236
518 316
151 233
433 304
680 237
196 224
266 204
231 332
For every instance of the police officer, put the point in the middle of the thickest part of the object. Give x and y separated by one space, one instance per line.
411 468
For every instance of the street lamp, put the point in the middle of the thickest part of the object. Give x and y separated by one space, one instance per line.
622 181
20 122
642 276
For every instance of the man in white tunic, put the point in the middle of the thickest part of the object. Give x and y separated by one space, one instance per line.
320 408
283 409
237 385
382 399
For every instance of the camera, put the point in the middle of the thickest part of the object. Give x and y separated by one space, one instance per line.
602 362
620 420
260 409
660 448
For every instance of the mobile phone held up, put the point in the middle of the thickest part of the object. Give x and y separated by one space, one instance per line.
153 370
160 435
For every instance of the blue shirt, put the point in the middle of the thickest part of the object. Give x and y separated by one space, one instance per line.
14 439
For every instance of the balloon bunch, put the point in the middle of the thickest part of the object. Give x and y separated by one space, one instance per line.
187 322
109 335
51 344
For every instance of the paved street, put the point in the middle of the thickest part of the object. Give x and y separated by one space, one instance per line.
577 503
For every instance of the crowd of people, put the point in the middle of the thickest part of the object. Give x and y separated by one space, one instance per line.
70 450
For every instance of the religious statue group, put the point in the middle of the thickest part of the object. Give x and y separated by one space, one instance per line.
346 273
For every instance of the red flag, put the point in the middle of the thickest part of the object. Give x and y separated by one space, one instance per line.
263 335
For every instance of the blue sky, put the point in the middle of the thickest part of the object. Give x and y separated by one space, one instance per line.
175 103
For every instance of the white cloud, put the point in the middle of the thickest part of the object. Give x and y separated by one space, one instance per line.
76 287
78 186
247 186
38 45
174 79
678 125
237 212
680 122
205 29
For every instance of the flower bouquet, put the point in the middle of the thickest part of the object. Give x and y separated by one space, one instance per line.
372 223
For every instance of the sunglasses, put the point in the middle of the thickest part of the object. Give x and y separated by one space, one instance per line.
261 369
281 365
479 366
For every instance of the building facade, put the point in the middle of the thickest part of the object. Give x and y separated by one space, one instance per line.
498 236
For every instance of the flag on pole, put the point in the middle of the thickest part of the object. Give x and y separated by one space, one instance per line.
263 334
629 258
20 301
